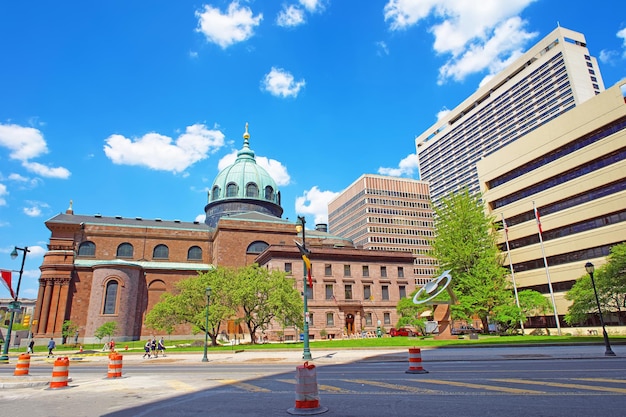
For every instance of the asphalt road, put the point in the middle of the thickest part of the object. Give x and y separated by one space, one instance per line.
485 382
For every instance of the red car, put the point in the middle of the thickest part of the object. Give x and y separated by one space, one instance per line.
402 331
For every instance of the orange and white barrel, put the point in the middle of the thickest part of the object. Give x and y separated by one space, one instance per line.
307 394
415 362
60 373
115 365
23 365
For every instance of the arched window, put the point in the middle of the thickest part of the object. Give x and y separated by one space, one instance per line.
252 190
231 190
269 193
110 298
125 250
216 193
194 253
160 252
87 249
257 247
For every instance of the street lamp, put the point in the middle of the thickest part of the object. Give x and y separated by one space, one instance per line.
305 254
14 306
206 323
590 268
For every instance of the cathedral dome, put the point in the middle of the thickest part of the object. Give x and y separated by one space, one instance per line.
242 187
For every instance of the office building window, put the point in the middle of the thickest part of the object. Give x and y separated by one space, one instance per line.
346 271
330 319
366 271
387 318
402 289
328 270
329 292
288 267
348 291
383 272
367 292
110 298
385 290
368 319
400 272
309 292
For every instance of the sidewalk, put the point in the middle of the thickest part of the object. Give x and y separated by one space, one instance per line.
320 357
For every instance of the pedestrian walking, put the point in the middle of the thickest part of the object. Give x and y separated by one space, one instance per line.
147 347
153 347
31 346
51 345
112 345
161 347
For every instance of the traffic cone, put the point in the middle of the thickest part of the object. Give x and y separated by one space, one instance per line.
307 396
415 362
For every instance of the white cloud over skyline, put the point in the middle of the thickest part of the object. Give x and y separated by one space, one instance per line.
226 29
281 83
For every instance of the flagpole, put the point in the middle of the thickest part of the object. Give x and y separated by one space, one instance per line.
545 263
508 252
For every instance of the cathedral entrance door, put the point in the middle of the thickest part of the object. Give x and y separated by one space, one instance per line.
349 323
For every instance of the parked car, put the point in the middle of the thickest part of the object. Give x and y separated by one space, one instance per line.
402 331
465 330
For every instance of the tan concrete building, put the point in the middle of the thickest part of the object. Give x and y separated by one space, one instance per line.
574 170
386 213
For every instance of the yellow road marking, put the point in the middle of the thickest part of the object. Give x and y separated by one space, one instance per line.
180 386
562 385
617 381
322 387
244 386
393 386
479 386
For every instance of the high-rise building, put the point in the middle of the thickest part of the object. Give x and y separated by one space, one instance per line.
573 171
553 77
387 213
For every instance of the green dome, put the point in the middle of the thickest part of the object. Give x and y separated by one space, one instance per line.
246 185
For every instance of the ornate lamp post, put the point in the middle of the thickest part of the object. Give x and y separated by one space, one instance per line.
206 324
590 269
15 305
305 253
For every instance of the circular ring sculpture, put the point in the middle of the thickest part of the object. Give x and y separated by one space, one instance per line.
436 286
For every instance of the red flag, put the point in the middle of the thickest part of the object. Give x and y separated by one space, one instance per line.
307 262
6 278
538 220
506 228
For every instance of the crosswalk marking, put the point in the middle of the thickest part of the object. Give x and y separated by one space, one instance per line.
563 385
244 386
609 380
180 385
480 386
322 387
393 386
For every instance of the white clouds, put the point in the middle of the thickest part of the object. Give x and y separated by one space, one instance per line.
226 29
315 202
34 209
276 169
159 152
281 83
26 143
477 36
3 192
609 56
294 15
290 16
406 167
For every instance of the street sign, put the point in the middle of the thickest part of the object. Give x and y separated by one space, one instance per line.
15 306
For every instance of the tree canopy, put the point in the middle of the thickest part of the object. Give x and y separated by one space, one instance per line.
610 280
466 244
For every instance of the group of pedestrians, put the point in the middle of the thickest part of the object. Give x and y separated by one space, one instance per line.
152 348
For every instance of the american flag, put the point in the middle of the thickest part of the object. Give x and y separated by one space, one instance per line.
538 220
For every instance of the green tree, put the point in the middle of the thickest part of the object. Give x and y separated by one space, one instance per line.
465 244
409 314
610 282
106 330
68 329
264 296
188 304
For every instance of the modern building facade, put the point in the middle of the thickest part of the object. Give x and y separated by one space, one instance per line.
387 213
551 78
101 268
574 171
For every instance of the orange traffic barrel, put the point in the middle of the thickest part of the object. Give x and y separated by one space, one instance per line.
23 365
60 373
415 362
307 394
115 365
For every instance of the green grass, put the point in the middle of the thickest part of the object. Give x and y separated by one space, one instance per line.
372 343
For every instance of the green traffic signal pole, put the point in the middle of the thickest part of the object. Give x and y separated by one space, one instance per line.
5 348
306 354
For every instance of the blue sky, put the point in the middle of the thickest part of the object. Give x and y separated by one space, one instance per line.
131 108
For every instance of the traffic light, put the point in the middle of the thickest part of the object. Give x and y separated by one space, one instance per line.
26 320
